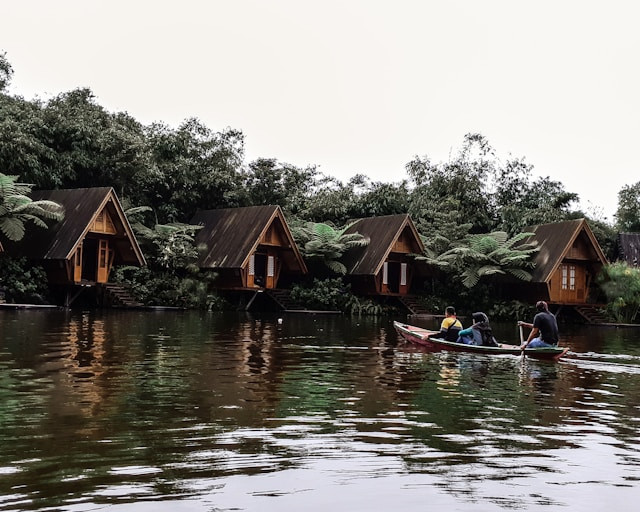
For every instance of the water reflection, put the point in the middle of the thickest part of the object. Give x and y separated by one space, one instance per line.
218 412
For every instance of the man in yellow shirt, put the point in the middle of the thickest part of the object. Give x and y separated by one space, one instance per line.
450 326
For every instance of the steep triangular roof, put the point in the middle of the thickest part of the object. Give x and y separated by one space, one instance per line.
81 208
382 233
555 240
231 235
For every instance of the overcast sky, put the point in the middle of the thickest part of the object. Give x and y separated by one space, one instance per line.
359 86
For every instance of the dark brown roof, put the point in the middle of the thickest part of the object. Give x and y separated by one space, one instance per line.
554 241
81 207
231 235
629 246
382 233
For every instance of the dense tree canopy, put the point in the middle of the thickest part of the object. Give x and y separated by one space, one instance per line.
71 141
628 213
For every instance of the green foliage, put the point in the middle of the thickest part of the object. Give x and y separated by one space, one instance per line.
463 181
164 288
338 203
17 208
323 294
268 182
628 212
511 310
6 71
364 307
322 242
522 202
169 246
21 282
495 253
190 168
621 285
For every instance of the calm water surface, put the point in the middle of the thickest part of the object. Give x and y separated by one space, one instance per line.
143 411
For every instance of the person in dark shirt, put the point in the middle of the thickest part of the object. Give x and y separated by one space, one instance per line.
450 327
544 329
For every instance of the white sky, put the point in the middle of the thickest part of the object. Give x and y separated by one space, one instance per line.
359 86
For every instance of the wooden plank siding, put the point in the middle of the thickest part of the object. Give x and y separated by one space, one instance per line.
83 247
250 247
384 267
567 263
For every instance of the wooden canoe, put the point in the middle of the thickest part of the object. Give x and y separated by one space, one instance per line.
420 336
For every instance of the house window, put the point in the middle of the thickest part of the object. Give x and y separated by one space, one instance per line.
403 274
572 277
252 265
385 273
564 277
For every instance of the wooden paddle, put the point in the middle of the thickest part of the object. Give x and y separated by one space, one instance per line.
521 339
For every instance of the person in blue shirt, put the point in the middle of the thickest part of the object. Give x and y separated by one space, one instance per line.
479 333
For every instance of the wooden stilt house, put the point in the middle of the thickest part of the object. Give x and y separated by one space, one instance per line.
250 248
384 267
82 248
565 267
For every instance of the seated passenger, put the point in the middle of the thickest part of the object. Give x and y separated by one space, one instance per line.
450 327
479 333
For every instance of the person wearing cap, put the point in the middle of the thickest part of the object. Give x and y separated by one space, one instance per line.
544 329
450 326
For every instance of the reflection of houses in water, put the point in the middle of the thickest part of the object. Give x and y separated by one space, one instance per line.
77 390
257 345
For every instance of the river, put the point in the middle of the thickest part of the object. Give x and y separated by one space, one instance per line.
188 411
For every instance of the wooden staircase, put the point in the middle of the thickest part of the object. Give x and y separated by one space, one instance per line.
116 295
413 304
283 299
591 314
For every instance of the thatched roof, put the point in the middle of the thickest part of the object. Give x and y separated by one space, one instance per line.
81 207
555 241
231 235
382 233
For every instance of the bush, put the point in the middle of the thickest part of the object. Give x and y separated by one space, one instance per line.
167 289
21 282
621 285
323 295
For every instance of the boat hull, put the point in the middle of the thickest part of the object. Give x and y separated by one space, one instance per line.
420 336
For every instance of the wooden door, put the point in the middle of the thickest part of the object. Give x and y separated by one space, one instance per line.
571 283
271 271
103 261
77 265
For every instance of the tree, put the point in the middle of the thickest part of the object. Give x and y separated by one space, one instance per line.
191 168
6 71
465 179
521 201
268 182
495 253
628 212
323 243
17 209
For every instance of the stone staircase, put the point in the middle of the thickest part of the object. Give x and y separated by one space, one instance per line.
116 295
591 314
